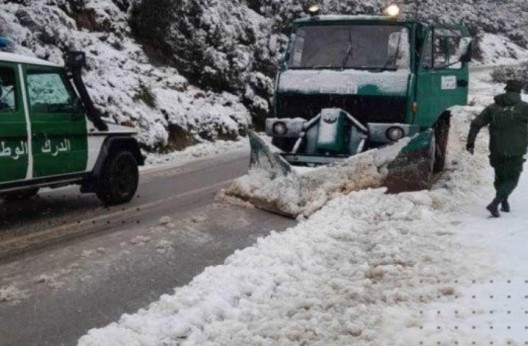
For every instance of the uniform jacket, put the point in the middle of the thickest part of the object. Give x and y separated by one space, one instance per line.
508 125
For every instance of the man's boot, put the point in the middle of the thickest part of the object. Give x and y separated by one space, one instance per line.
505 206
493 208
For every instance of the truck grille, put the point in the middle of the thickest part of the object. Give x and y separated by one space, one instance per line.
364 108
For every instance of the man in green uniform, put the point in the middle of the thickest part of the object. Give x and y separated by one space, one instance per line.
508 125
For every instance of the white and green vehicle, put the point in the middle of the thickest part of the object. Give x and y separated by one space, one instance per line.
51 135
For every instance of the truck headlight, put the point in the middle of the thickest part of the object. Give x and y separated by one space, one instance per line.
392 10
280 128
395 133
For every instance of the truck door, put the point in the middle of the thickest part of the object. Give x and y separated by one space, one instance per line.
442 79
14 156
59 135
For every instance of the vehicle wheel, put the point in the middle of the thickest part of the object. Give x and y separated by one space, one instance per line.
20 195
119 179
412 171
442 138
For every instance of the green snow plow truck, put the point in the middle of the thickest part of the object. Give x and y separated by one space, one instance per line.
352 83
51 135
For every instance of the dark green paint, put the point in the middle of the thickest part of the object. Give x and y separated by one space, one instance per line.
13 135
57 130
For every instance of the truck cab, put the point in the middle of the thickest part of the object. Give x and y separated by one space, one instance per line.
352 83
50 135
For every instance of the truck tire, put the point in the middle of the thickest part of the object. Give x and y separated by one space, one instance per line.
119 178
442 138
21 195
412 171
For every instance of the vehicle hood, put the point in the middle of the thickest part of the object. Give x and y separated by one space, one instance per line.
346 82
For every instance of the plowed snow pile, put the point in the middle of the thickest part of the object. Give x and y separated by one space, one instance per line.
304 192
332 280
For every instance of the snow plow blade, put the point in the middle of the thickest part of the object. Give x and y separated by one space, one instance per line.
263 157
275 186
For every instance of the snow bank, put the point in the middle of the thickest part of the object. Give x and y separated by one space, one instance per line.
302 194
335 279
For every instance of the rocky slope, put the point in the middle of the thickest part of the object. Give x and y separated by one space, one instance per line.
186 71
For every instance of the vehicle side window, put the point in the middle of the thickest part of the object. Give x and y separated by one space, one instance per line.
48 93
445 47
7 90
441 49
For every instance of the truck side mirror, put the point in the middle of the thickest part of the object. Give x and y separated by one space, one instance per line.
464 52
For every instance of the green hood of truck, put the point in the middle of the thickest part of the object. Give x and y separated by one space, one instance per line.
345 82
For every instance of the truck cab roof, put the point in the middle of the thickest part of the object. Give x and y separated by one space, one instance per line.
22 59
328 19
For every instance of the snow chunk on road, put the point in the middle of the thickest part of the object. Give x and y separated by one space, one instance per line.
305 192
11 295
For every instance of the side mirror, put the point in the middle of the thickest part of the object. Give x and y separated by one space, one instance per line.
464 52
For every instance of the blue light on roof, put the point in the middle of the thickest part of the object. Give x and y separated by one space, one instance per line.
4 42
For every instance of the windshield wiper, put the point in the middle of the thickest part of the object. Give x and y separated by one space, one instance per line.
350 52
391 60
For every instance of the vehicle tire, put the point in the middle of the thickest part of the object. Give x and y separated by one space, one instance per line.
119 179
442 138
21 195
412 171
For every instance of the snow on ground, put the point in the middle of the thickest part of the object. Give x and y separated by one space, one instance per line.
494 310
367 269
11 295
204 150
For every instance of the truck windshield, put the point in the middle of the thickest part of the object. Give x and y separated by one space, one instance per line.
365 47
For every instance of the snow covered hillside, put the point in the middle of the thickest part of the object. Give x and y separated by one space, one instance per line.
125 85
367 269
190 71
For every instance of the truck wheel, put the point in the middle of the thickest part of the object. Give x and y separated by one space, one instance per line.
442 138
119 179
20 195
412 171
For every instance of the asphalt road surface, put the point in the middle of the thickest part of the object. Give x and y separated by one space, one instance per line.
68 265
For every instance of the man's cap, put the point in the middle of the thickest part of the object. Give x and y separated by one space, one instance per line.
514 85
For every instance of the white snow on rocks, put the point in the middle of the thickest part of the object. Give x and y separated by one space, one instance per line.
122 82
497 49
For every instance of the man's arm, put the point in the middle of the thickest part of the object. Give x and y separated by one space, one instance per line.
482 120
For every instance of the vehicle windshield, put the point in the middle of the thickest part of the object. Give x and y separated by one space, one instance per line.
366 47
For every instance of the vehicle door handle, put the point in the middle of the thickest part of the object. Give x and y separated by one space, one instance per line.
462 83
